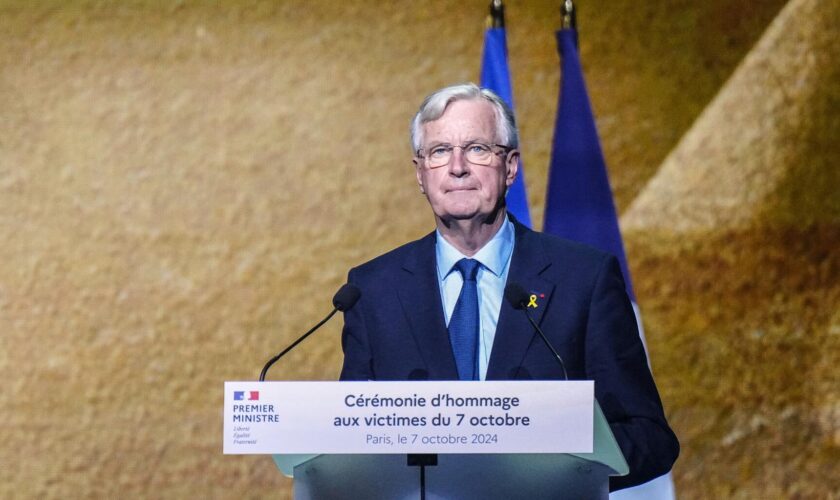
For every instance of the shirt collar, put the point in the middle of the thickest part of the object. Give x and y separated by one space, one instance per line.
494 255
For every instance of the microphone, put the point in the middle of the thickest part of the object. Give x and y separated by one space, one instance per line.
343 300
346 297
518 298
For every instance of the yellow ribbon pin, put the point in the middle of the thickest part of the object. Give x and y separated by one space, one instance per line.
533 301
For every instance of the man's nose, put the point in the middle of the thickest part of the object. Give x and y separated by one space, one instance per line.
458 164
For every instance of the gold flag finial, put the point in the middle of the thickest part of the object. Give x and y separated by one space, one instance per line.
567 10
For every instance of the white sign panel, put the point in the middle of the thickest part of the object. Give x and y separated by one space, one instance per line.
408 417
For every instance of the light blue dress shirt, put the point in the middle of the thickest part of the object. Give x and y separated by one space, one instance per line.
492 276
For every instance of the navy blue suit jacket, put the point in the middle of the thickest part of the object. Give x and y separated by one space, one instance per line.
397 331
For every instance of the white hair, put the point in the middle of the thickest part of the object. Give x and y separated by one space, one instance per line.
436 103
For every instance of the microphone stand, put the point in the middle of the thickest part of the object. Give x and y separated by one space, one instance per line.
547 343
422 460
296 342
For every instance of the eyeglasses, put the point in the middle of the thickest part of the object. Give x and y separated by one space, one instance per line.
476 153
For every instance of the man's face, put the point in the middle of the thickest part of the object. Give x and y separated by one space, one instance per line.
461 190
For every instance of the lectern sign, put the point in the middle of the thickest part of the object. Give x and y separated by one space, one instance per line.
408 417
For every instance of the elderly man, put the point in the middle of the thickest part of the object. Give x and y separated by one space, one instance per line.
433 308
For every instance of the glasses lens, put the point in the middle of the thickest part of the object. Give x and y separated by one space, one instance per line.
477 153
439 156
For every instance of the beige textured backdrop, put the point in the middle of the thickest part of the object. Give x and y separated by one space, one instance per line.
183 185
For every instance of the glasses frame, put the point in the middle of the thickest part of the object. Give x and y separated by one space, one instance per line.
505 150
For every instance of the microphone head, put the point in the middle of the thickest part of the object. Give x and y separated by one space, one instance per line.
516 295
346 297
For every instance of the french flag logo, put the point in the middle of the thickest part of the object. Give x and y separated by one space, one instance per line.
246 395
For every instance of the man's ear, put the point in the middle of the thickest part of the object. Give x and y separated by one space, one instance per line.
417 167
511 166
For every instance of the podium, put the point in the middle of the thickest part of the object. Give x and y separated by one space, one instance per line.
427 439
461 476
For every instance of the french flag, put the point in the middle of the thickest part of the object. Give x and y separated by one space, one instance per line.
252 395
495 75
579 202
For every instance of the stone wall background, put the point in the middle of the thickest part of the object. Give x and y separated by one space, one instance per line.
183 185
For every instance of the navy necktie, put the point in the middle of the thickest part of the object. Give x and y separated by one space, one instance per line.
463 326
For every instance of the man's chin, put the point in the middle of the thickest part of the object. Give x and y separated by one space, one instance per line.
456 216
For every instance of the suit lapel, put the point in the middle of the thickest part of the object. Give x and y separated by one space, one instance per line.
419 295
513 332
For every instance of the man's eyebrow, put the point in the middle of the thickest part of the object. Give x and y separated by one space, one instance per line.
471 140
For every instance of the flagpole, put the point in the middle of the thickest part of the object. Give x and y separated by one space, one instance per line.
496 19
569 14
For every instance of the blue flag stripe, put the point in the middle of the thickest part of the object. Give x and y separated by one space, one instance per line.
579 201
